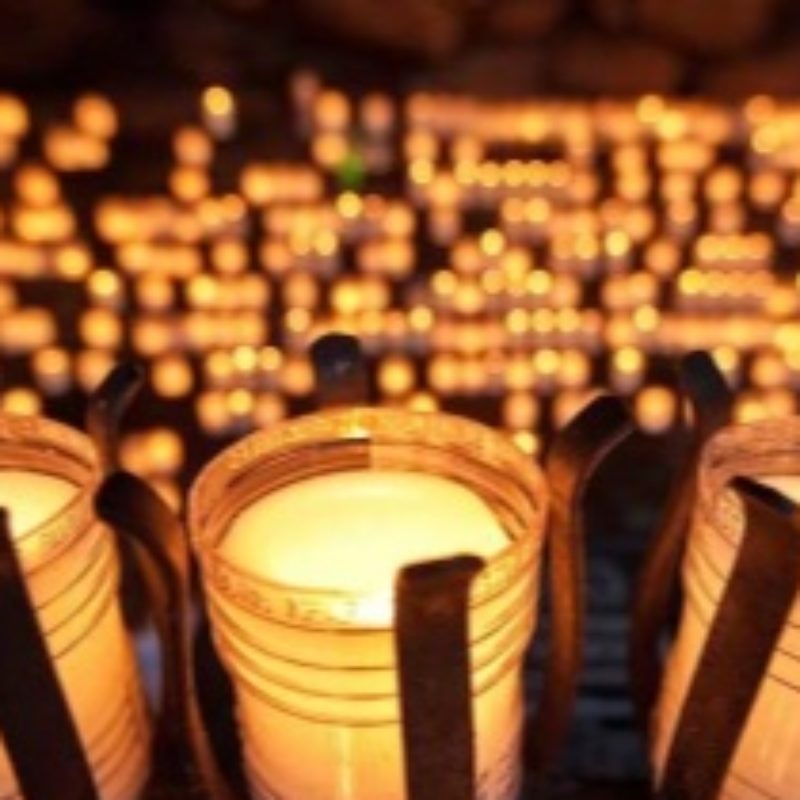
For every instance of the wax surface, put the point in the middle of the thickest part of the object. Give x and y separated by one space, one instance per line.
31 498
785 484
353 530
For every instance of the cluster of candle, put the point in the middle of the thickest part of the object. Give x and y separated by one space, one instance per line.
522 255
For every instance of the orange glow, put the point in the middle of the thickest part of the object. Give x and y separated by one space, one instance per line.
218 100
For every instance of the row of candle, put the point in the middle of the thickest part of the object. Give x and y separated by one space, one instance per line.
508 298
417 329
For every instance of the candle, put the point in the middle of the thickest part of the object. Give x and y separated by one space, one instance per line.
14 117
47 476
171 376
31 498
219 112
21 400
71 150
189 184
95 115
52 370
192 147
353 528
765 762
356 560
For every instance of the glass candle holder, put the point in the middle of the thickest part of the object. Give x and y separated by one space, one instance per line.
300 531
767 758
48 475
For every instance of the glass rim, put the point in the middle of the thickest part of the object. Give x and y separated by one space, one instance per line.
51 445
753 450
357 425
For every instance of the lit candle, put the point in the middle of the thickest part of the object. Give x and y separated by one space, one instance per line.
14 117
71 150
21 400
219 112
47 476
52 370
95 115
351 502
765 762
352 531
192 147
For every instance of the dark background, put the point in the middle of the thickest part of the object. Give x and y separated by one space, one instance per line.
722 47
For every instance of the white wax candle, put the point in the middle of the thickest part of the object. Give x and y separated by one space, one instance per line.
31 498
788 485
91 652
352 531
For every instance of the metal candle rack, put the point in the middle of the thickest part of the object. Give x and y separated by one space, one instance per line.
431 630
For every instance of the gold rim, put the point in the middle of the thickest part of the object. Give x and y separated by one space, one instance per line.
365 437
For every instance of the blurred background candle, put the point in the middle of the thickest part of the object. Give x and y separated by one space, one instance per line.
280 604
218 108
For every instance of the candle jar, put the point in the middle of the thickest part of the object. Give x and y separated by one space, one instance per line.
304 625
767 758
48 474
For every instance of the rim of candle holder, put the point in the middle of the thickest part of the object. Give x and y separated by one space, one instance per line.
363 436
769 447
26 443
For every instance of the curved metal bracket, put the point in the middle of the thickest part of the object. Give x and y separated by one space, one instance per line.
432 641
757 601
37 728
711 402
184 763
573 458
106 406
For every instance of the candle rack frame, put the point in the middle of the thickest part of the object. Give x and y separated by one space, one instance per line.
434 691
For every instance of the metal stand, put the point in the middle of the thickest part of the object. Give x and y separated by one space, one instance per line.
432 641
183 764
711 403
573 458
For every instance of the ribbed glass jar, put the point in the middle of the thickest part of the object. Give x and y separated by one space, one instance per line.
314 669
767 759
50 472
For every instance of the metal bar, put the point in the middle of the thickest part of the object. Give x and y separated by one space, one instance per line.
743 636
340 371
184 765
576 453
432 643
37 727
106 406
711 403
